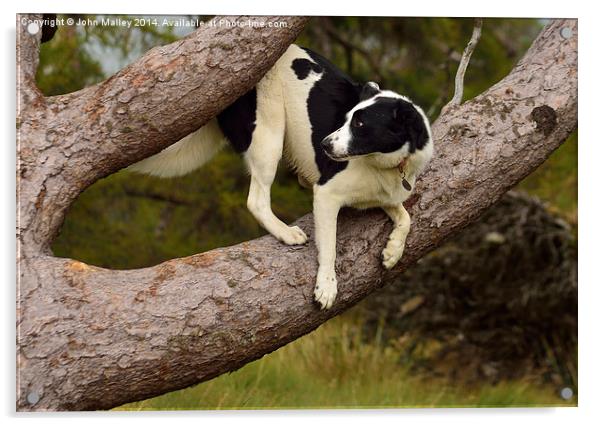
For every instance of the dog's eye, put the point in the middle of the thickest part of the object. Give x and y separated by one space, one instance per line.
356 122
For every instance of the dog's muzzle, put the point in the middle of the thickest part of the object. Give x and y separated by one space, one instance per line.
328 147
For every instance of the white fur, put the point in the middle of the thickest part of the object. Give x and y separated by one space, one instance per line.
298 155
283 128
184 156
373 85
263 156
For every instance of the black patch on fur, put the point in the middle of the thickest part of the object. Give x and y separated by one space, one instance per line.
387 125
302 68
237 121
329 100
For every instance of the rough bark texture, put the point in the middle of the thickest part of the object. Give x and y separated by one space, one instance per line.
91 338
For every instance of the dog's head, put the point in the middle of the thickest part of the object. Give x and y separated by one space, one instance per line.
383 122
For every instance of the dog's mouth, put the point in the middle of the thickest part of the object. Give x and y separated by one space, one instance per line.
336 157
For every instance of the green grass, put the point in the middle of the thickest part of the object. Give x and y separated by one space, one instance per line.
333 368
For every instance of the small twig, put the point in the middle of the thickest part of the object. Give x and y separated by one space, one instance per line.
157 197
459 89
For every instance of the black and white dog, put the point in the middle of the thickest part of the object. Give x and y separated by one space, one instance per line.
355 145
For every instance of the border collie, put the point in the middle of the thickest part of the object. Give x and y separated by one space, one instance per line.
354 145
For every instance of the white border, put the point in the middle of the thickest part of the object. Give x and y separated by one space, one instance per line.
589 231
456 8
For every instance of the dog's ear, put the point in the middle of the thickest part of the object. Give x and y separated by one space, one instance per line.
411 124
401 111
370 89
404 112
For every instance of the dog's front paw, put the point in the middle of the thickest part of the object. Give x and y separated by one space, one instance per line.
392 253
326 290
293 235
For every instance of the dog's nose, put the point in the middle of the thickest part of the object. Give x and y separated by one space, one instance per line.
327 143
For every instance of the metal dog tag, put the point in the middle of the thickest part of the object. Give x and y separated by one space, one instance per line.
406 184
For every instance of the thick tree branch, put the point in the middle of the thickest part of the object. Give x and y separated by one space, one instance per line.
91 338
31 113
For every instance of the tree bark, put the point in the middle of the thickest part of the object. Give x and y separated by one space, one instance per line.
92 338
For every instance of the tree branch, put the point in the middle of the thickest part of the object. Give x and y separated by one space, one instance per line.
91 338
28 46
464 61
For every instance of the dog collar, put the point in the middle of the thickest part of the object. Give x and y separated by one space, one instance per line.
401 168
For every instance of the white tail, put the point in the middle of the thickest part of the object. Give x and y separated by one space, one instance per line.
184 156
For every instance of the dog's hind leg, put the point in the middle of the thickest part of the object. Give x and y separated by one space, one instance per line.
262 158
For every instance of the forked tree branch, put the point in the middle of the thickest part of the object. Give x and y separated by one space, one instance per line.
92 338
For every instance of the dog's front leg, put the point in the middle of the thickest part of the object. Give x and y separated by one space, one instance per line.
397 239
326 210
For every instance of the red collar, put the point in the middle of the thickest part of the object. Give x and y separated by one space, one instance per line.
404 181
401 166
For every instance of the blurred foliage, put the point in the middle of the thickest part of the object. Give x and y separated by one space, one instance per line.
128 220
81 55
556 181
65 64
